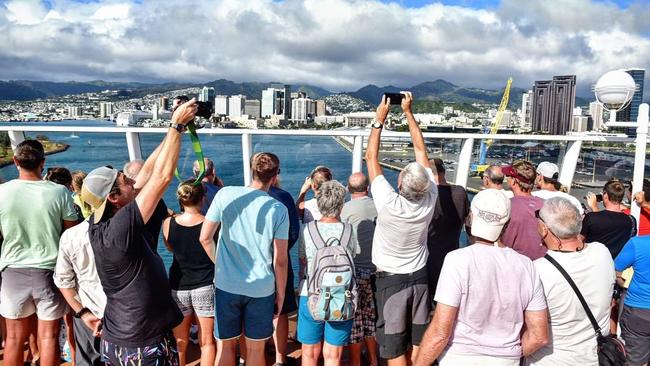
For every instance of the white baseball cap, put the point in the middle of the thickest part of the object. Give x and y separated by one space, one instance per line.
490 213
96 188
548 170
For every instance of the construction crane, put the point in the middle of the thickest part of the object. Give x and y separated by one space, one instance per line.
491 130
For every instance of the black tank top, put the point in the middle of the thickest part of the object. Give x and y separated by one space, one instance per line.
191 268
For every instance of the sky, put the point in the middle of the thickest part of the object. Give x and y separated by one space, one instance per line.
336 44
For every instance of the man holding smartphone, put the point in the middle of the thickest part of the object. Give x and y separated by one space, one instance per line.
400 241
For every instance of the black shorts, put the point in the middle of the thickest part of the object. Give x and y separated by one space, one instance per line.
403 311
290 305
635 330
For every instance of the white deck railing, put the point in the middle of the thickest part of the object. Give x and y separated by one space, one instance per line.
567 164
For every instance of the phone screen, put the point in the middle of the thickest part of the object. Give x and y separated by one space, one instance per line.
395 98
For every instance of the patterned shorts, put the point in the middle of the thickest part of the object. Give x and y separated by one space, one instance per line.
199 300
365 317
163 353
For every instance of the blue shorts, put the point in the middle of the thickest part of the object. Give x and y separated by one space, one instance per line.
234 312
311 331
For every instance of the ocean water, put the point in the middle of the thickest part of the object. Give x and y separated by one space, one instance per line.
298 156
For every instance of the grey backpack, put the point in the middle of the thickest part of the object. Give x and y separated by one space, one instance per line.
332 289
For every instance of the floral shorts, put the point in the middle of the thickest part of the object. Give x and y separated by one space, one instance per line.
365 316
163 353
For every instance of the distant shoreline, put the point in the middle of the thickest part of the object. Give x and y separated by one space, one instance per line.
59 147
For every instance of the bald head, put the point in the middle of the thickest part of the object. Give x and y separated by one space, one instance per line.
494 176
132 168
358 183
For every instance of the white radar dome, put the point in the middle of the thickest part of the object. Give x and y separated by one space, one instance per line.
615 89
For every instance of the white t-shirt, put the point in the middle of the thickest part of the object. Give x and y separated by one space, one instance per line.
508 194
572 337
312 213
544 194
400 240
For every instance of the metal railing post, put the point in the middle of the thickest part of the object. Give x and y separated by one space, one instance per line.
16 137
133 145
464 160
357 154
639 156
247 152
569 163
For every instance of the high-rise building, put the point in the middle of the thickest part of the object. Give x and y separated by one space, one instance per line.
287 102
526 99
272 102
321 108
163 104
552 105
105 109
631 112
252 108
236 104
207 95
303 110
154 112
579 123
221 105
596 113
74 111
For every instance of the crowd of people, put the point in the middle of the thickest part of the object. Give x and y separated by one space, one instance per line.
381 274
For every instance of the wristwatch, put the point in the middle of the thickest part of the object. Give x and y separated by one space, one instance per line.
81 312
177 127
377 124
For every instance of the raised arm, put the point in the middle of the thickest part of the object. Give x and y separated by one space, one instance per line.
165 164
416 134
300 202
372 150
145 173
437 335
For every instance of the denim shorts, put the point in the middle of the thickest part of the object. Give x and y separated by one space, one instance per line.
311 331
238 314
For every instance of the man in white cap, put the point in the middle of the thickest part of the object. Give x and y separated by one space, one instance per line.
549 185
140 311
487 293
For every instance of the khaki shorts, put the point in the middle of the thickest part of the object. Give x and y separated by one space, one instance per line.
25 291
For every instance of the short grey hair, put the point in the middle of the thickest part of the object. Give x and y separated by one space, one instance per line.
132 168
331 198
415 182
561 217
494 174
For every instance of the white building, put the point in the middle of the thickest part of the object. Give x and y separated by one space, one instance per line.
236 105
131 118
252 108
154 112
447 110
577 111
303 110
272 102
105 109
524 117
328 120
428 119
206 94
245 121
358 119
221 105
579 123
596 113
74 112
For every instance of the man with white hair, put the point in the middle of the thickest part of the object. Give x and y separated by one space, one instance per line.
490 301
590 266
549 185
400 242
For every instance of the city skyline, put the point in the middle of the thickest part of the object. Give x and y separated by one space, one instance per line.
339 45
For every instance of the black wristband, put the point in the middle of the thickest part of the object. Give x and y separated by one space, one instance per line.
81 312
178 127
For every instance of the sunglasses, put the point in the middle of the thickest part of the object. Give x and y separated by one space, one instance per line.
537 216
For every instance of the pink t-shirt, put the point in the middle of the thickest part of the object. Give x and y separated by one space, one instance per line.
491 287
521 233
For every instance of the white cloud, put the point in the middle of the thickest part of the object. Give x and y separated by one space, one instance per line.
336 44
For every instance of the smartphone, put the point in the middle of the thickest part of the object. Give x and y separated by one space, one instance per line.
395 98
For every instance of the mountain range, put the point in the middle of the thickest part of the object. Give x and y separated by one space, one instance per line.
438 90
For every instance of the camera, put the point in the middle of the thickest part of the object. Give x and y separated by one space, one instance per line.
395 98
205 109
599 197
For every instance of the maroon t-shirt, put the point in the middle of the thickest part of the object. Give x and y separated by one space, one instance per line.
521 233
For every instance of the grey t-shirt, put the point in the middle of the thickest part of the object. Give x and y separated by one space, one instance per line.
361 214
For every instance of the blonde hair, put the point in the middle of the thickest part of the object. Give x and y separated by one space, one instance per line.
190 195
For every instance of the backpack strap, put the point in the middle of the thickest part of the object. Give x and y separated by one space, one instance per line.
315 236
346 235
566 276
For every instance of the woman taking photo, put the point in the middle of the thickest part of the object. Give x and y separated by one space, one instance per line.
192 273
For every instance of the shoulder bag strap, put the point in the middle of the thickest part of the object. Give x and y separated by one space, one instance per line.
566 276
315 236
